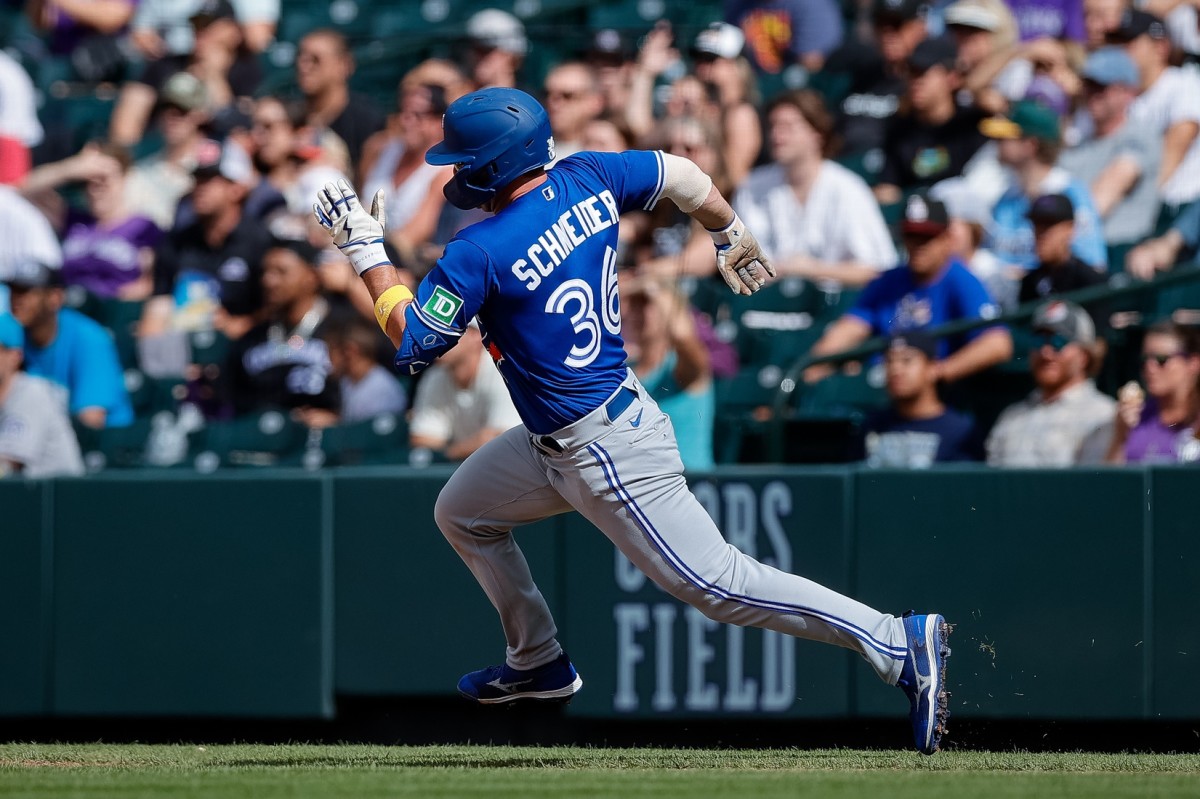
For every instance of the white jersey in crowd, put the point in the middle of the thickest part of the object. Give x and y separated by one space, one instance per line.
25 235
839 221
1036 434
1173 98
18 103
404 200
35 431
443 411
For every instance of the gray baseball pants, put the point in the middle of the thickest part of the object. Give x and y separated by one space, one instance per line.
624 475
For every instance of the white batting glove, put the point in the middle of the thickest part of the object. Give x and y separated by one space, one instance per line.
740 261
356 233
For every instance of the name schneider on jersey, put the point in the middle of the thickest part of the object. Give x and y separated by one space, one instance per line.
579 222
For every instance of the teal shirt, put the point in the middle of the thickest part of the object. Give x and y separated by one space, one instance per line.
692 414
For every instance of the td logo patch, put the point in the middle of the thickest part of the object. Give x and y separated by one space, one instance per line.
443 305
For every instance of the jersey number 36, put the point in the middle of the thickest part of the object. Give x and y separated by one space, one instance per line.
585 320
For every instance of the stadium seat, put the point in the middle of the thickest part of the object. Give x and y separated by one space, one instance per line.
383 439
267 439
114 447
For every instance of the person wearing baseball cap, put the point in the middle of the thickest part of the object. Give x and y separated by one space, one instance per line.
68 349
1055 425
932 137
930 289
1058 270
1168 104
497 47
1119 159
36 438
1029 143
917 429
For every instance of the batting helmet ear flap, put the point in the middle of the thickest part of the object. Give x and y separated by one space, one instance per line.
493 136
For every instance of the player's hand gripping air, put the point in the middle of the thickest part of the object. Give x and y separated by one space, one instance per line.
357 234
740 260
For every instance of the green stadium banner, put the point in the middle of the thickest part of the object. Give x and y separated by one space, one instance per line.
1173 553
25 598
410 617
188 596
643 653
1041 572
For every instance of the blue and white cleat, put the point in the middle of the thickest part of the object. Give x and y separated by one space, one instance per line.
923 679
555 681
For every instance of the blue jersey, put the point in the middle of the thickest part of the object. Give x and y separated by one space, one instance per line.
541 278
83 360
894 302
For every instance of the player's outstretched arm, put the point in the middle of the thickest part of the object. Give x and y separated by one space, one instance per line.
359 235
740 259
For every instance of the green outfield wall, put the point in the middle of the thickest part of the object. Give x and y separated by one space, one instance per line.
268 594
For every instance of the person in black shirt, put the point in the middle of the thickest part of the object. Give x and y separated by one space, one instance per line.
917 429
283 362
932 137
324 65
1058 270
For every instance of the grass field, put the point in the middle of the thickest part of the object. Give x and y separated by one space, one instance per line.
135 771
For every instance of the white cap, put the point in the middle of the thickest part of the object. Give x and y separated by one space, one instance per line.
720 39
962 201
971 14
498 29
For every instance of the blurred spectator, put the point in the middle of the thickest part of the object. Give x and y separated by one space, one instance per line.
324 65
1052 426
107 250
984 29
1169 105
717 55
1180 243
162 27
20 128
283 362
930 289
1100 18
69 349
1029 146
970 220
157 183
874 80
461 402
917 429
932 137
497 48
277 152
25 235
1182 22
1057 270
611 59
207 272
368 390
573 100
228 71
656 56
1049 19
1155 425
413 187
783 33
36 438
85 31
814 218
1119 160
671 361
607 134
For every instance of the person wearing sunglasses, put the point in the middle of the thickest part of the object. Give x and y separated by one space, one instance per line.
1052 426
1157 425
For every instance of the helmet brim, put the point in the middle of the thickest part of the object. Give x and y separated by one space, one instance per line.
441 155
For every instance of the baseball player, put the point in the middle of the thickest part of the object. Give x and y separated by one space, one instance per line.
540 276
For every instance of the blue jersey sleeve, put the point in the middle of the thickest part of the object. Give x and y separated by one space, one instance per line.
872 303
98 380
970 300
634 176
446 301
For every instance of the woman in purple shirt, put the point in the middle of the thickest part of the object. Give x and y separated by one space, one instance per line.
1160 426
106 250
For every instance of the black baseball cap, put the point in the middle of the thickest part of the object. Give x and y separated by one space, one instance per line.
932 52
212 10
1135 23
902 10
918 339
924 216
1050 209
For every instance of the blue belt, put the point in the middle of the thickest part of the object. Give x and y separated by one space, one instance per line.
613 408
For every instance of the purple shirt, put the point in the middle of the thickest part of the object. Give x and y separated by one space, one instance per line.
1154 442
1057 19
103 259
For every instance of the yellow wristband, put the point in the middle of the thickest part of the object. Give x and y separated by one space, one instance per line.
387 303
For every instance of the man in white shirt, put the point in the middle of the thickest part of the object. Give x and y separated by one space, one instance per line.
461 402
36 438
25 236
814 218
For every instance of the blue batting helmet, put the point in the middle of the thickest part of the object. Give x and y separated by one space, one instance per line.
494 136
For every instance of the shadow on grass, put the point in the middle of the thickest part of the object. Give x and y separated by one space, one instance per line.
408 762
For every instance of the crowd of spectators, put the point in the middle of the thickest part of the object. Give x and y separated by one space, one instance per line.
905 163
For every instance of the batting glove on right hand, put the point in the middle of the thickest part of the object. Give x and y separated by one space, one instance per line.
740 260
356 233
